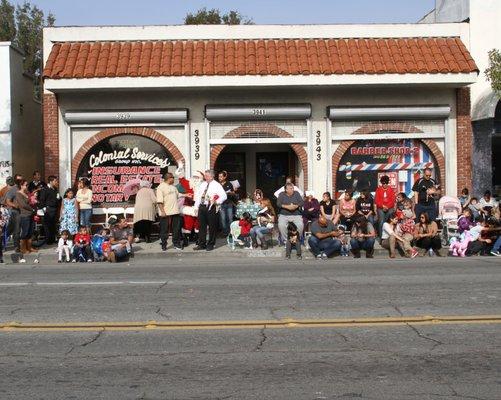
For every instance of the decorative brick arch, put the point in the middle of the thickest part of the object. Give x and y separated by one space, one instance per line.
372 128
273 130
148 132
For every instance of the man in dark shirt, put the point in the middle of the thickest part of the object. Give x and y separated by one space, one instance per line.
36 182
323 241
49 201
424 196
289 204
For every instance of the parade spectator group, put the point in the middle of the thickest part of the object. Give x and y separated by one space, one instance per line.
206 206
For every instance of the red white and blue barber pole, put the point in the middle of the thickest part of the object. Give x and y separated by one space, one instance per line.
413 163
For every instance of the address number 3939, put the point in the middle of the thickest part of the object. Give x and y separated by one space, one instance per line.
318 149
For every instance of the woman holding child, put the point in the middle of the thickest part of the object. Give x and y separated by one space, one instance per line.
266 218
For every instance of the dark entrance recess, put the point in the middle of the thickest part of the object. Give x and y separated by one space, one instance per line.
234 164
271 170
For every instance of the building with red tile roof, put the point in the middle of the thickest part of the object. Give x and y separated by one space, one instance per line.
333 106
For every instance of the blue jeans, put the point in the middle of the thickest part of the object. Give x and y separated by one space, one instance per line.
497 244
382 216
85 216
27 226
259 232
327 246
367 244
226 217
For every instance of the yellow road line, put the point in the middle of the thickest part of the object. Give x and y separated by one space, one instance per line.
249 324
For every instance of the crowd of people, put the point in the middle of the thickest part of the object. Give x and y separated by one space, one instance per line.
201 208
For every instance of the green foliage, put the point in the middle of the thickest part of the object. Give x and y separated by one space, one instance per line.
7 22
493 72
24 28
214 17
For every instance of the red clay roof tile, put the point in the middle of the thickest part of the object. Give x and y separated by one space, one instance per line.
258 57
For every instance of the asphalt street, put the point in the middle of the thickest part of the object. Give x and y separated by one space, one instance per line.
394 361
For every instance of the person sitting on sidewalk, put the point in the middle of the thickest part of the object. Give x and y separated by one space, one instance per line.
426 235
81 246
390 238
484 236
365 206
121 241
362 237
487 204
465 221
265 219
324 240
245 224
311 208
347 209
385 202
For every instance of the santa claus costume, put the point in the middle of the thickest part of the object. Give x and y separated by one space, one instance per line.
190 221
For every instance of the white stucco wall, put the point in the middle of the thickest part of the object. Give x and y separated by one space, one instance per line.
195 101
485 19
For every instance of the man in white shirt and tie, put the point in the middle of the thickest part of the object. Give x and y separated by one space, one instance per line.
208 197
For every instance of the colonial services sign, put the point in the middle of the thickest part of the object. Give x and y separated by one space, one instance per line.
366 161
112 162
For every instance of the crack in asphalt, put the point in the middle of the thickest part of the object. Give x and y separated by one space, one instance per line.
161 287
159 312
333 280
456 394
437 342
96 337
263 339
12 312
398 310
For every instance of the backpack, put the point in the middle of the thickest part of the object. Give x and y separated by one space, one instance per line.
97 244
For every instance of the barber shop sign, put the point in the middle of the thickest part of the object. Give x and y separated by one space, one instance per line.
112 162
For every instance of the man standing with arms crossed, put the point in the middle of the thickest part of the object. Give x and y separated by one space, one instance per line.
208 198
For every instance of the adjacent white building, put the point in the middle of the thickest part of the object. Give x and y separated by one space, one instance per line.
483 18
21 138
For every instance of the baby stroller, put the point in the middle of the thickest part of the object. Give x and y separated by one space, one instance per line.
234 233
449 209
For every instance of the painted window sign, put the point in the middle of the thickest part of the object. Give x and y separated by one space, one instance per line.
112 162
366 161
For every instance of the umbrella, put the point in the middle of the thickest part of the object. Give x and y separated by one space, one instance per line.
132 187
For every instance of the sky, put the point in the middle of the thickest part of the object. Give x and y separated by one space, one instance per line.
167 12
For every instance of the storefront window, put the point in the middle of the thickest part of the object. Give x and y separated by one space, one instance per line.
366 161
112 162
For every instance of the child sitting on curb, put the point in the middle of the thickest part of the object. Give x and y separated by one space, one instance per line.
64 246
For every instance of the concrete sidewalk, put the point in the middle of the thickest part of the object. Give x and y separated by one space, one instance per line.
152 251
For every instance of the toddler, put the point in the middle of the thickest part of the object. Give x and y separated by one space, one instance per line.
64 245
245 224
81 246
345 241
100 245
293 240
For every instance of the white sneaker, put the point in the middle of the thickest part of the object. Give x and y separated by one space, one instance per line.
22 260
496 253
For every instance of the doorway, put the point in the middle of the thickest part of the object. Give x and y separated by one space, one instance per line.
262 166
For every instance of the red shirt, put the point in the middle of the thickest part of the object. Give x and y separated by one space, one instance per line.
82 239
385 197
245 227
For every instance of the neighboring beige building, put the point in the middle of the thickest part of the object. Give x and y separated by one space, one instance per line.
21 138
335 106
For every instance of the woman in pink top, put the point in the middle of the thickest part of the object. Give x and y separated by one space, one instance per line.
347 210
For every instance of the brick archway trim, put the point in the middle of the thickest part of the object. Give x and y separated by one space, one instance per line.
270 129
148 132
373 128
